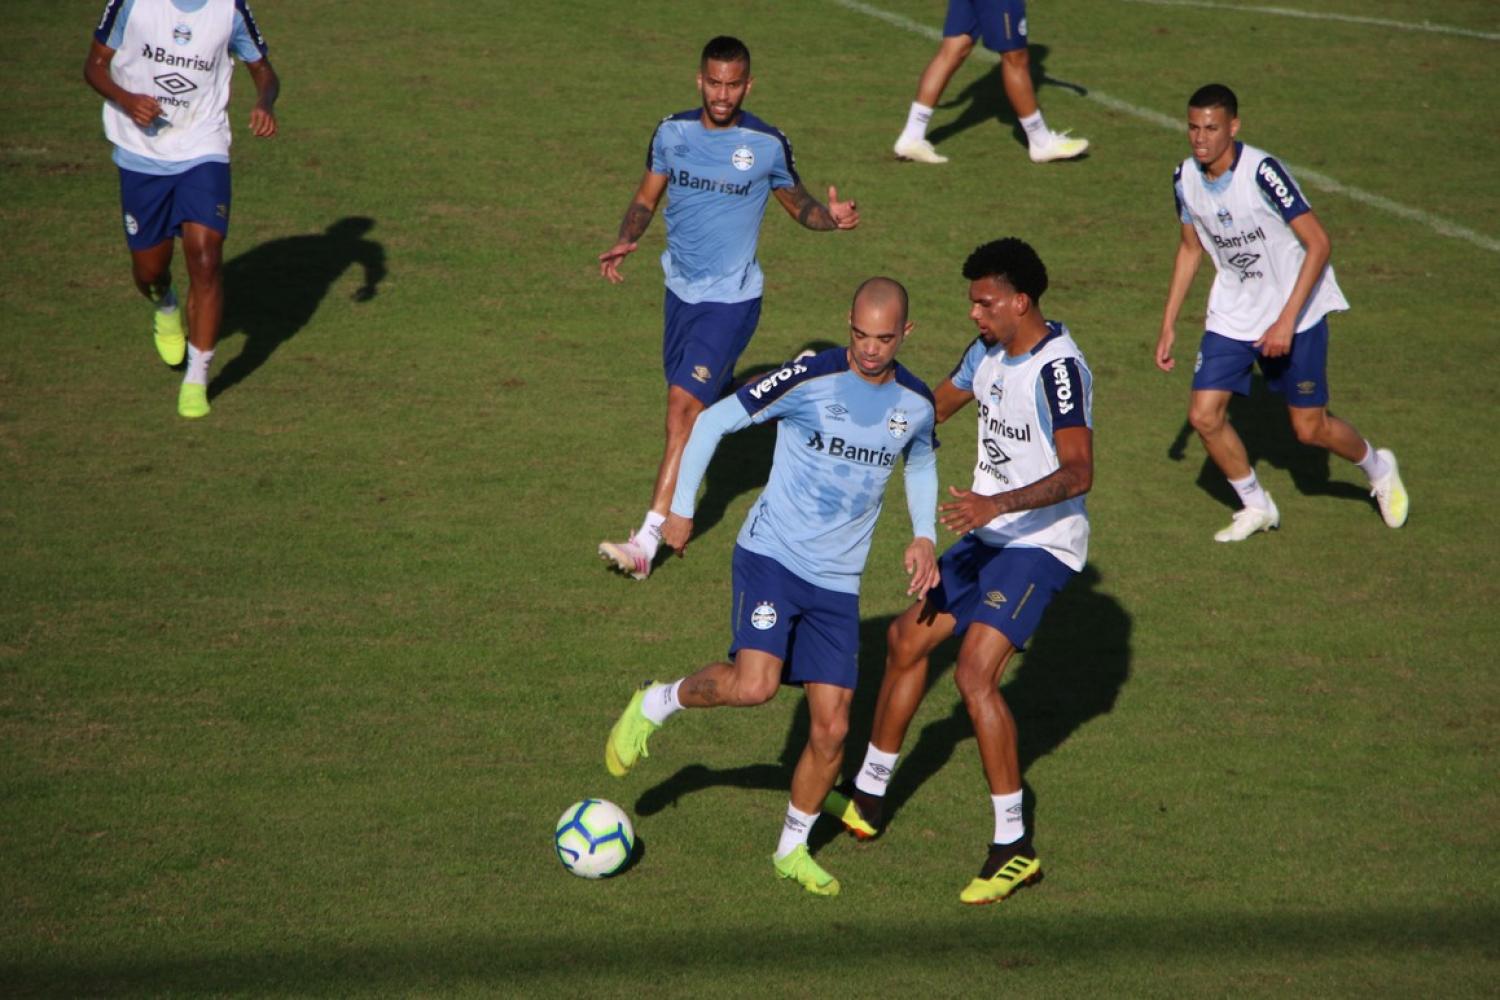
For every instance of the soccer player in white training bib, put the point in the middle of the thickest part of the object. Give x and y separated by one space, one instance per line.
1269 304
1025 534
163 68
717 164
1001 26
844 417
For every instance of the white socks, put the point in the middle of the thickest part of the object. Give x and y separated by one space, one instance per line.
661 703
1251 493
916 122
875 774
197 366
1036 129
1373 465
1009 827
794 830
648 537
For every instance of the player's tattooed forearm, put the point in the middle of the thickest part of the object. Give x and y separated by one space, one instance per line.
812 213
1061 485
637 218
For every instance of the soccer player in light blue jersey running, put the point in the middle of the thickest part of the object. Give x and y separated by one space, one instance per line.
720 164
844 418
163 68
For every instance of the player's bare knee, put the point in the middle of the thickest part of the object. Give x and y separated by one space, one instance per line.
974 679
1206 420
1310 428
751 691
827 735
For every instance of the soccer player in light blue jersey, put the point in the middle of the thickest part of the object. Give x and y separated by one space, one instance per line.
163 68
720 164
845 417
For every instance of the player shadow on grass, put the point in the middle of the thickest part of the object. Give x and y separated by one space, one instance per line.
743 460
1072 673
984 101
1263 424
272 291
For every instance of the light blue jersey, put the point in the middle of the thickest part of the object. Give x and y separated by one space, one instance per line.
718 181
837 442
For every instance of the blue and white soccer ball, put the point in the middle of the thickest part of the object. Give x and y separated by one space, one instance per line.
594 838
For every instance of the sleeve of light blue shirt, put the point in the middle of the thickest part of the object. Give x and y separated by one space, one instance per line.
724 417
963 374
245 40
922 486
781 171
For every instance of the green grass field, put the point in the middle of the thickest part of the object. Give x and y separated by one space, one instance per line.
291 697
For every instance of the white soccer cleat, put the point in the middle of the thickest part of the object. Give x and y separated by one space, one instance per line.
1248 520
1058 146
919 150
628 557
1389 492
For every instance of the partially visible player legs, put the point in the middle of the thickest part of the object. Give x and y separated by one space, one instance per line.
912 144
152 270
634 556
1208 412
1315 426
1044 145
817 769
203 251
910 640
1012 862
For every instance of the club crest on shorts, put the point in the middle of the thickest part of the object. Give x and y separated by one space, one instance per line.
1198 363
131 226
897 424
742 158
764 616
702 374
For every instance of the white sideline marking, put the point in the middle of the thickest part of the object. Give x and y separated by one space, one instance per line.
1378 22
1312 178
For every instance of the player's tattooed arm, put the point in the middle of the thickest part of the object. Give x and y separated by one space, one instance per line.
813 214
637 217
1074 477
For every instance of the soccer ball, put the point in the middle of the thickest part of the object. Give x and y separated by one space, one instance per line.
594 838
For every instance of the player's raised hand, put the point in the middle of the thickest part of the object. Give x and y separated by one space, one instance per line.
262 122
143 109
1164 359
676 532
845 214
967 511
609 261
921 563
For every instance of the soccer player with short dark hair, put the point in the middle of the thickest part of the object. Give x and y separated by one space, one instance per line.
718 164
843 419
163 68
1025 534
1268 306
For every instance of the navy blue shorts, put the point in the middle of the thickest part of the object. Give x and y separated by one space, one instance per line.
156 206
1300 376
701 342
812 630
1005 588
999 24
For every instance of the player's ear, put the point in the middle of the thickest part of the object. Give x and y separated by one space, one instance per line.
1023 303
1234 127
906 330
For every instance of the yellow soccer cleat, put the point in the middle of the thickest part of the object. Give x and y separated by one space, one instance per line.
192 401
1390 493
171 343
627 740
800 867
1057 146
1017 873
849 813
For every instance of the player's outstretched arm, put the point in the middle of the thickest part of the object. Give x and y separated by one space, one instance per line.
814 214
267 89
950 399
724 417
1184 269
637 217
143 109
920 471
1074 477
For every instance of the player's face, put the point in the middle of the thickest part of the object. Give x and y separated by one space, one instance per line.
995 307
1211 133
723 86
875 335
